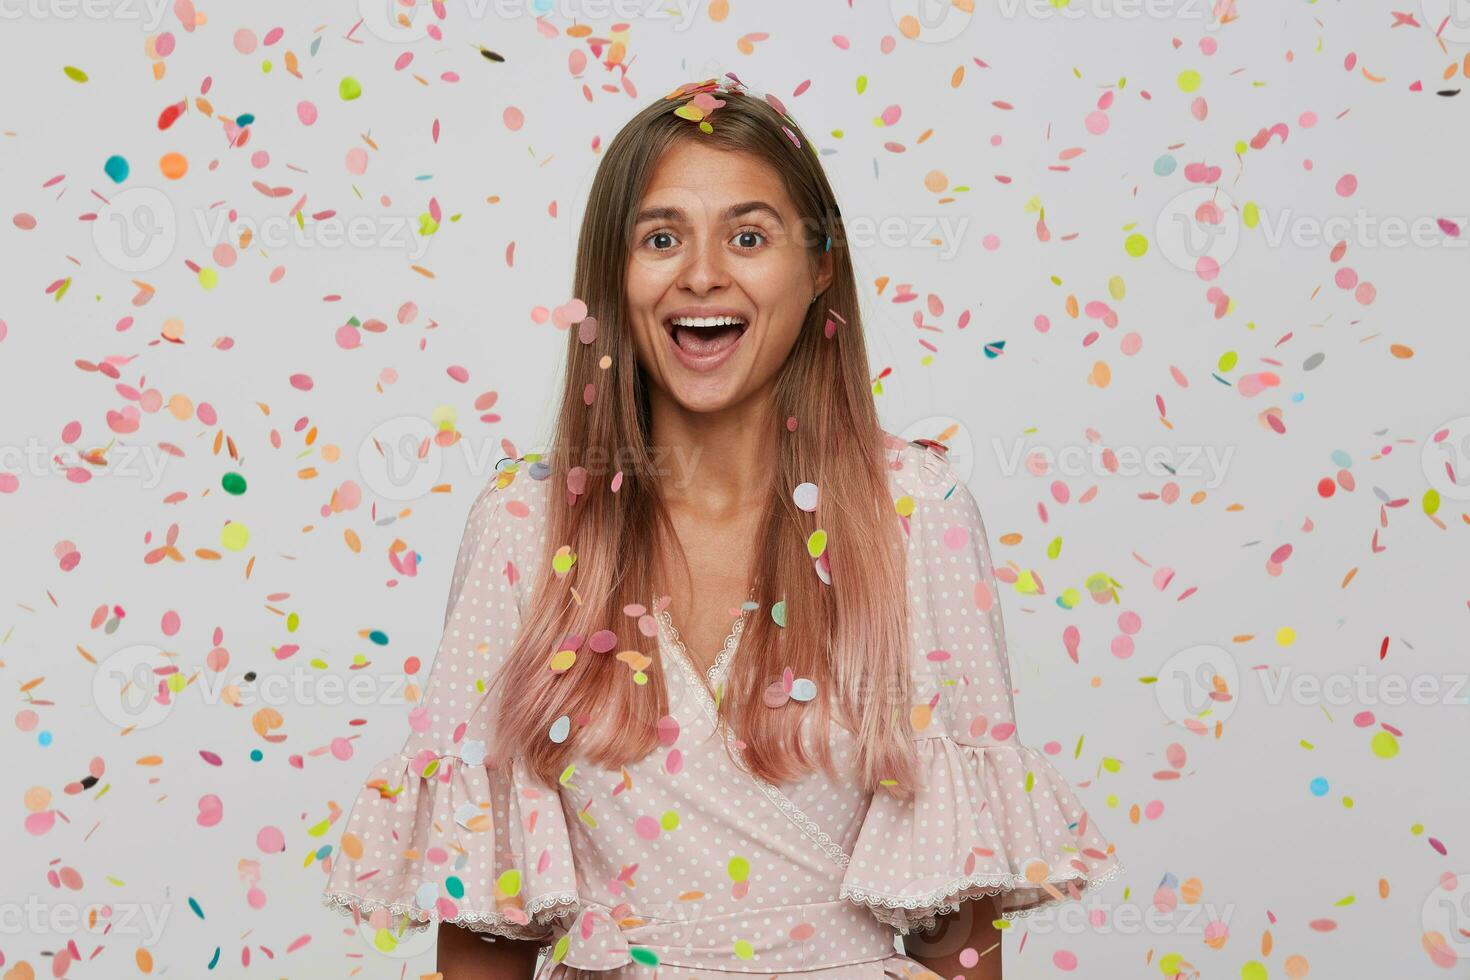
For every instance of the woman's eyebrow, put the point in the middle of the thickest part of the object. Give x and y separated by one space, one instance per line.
677 215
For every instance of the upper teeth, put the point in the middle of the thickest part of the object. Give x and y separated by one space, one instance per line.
706 321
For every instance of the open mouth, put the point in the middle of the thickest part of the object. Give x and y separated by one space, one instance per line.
704 336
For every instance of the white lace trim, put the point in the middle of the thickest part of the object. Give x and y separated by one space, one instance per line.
716 669
543 911
934 903
680 656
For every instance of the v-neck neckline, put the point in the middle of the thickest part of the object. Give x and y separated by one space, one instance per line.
703 695
715 675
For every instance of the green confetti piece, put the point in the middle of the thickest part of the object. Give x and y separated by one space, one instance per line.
738 868
75 74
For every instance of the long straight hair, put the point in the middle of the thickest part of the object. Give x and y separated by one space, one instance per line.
850 636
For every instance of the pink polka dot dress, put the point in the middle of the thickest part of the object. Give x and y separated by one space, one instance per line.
692 866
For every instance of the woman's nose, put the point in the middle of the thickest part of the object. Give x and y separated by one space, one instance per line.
704 266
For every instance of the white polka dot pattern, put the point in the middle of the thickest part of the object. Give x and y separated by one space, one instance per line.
435 835
685 859
993 817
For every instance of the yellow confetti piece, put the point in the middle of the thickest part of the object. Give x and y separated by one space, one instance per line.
738 868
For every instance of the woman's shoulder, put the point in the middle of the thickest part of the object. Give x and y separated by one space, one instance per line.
515 495
918 468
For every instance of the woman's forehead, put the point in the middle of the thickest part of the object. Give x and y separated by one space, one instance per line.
690 177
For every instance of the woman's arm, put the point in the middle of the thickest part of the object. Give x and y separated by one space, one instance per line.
464 955
971 926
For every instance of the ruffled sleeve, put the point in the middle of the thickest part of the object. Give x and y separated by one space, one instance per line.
435 834
992 816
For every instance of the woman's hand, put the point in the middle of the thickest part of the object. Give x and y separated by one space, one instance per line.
971 926
467 955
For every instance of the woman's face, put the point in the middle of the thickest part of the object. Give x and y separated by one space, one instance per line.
719 277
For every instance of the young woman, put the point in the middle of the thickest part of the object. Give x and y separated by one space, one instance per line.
796 749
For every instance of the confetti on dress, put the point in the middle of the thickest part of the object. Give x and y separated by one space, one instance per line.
822 873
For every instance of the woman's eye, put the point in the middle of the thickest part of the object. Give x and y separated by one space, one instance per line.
660 240
743 238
